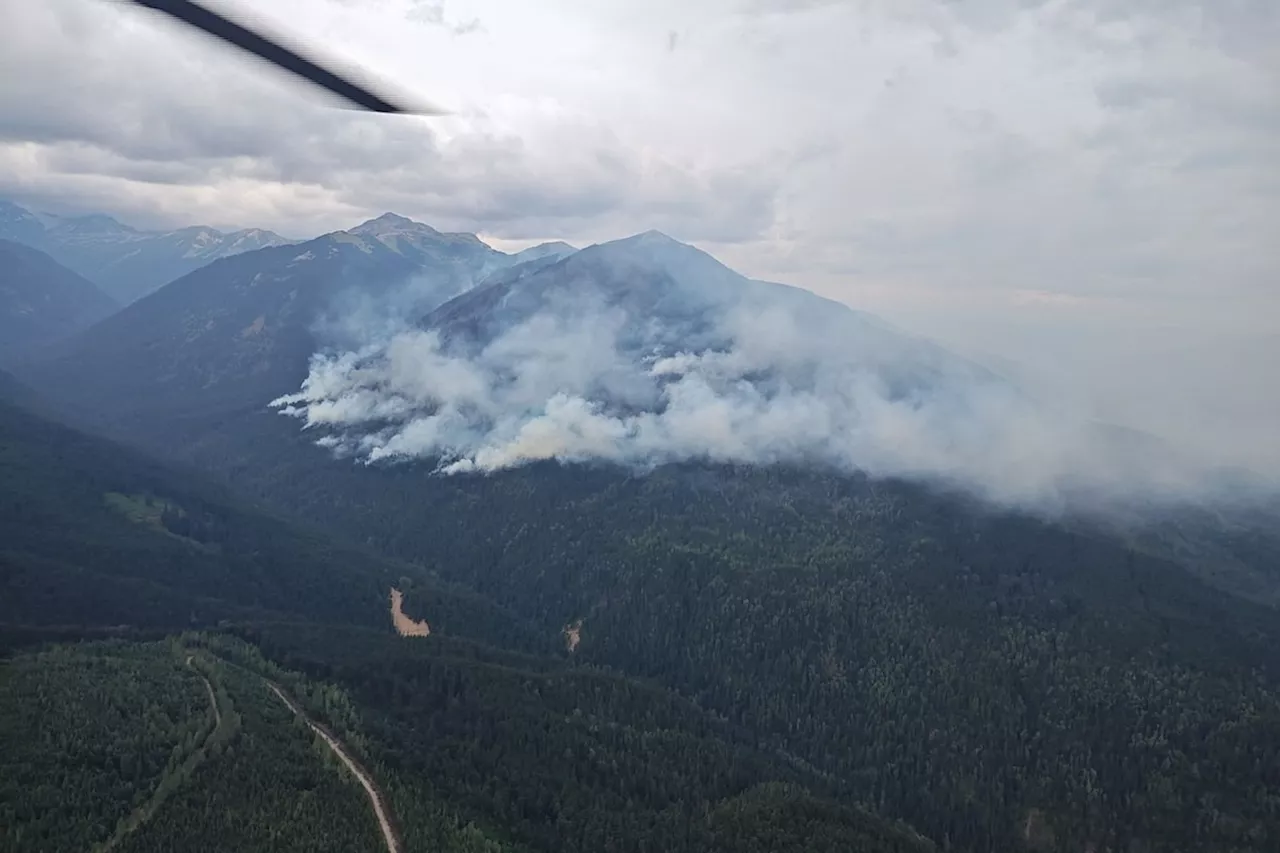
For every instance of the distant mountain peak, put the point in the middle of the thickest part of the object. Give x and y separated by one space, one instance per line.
402 234
653 250
653 235
553 249
392 223
653 241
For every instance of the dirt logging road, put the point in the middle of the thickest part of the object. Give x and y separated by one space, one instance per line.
376 797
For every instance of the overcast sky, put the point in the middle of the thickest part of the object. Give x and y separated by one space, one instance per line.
1090 188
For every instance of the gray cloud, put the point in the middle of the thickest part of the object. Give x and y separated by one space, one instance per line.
1091 111
103 109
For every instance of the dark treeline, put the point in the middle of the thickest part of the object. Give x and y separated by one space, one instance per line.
94 535
270 787
114 746
554 758
474 755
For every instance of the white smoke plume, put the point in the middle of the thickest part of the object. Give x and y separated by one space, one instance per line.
776 376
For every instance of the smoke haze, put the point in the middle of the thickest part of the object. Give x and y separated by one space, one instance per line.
645 351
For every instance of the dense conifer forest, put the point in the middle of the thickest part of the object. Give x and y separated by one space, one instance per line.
702 659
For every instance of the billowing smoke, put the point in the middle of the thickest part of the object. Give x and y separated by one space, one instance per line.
589 361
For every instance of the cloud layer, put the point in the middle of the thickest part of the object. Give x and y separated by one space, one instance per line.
107 108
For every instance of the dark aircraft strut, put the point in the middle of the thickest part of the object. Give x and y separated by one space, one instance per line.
205 19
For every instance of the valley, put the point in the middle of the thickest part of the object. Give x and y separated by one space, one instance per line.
610 548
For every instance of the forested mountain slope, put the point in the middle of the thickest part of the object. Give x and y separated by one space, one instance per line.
42 301
95 535
190 742
967 671
217 340
223 341
963 670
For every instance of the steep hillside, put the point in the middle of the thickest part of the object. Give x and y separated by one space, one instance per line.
96 536
127 263
227 339
42 301
217 341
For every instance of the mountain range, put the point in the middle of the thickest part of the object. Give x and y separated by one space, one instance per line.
393 341
239 332
125 262
709 563
640 351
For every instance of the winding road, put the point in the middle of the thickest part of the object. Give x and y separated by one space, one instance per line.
376 797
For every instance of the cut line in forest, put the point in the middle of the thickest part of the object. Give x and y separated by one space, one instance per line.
168 783
213 698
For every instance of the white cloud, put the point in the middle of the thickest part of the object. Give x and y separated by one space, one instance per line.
107 108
